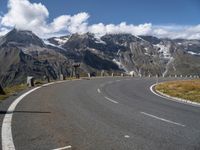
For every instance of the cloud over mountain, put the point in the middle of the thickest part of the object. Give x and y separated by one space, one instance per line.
25 15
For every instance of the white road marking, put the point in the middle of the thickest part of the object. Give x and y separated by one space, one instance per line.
113 101
6 131
118 80
151 89
162 119
126 136
62 148
98 90
183 101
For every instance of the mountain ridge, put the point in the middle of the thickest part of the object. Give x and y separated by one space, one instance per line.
140 55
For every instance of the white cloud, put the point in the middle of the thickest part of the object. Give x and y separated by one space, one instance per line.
25 15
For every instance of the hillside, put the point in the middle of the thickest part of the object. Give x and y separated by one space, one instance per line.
27 54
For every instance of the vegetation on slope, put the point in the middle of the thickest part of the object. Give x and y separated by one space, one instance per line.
187 89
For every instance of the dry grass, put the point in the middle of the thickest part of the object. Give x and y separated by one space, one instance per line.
187 89
12 90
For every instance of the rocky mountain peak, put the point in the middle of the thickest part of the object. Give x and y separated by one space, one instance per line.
21 37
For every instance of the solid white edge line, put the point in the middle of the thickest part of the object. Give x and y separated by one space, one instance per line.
162 119
6 131
183 101
111 100
62 148
151 89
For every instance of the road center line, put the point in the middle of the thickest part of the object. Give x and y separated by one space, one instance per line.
98 90
62 148
162 119
113 101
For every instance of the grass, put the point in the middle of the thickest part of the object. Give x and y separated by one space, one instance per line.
187 89
12 90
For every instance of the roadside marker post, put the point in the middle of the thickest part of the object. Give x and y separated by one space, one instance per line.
89 75
30 81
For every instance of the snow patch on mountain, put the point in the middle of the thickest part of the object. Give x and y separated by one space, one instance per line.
120 65
164 50
99 41
193 53
48 43
167 66
61 41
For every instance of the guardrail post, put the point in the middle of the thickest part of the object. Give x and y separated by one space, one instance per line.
30 81
61 77
102 73
89 75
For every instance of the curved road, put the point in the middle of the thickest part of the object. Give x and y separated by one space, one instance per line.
104 114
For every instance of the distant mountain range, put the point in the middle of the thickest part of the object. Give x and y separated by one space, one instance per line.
22 53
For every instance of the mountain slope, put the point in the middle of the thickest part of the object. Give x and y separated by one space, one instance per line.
27 54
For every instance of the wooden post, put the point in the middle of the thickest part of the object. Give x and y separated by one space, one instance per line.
2 91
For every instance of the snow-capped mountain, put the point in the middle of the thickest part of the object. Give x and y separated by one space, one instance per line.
27 54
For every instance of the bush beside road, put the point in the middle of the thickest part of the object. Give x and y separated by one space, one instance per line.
9 91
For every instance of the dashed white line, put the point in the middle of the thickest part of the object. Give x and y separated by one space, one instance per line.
98 90
162 119
113 101
63 148
127 136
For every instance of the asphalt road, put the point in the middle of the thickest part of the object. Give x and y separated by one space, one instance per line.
103 114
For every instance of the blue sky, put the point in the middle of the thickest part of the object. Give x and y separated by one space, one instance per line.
167 15
182 12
